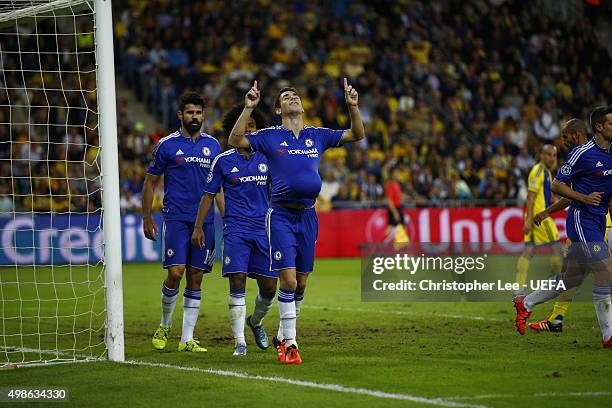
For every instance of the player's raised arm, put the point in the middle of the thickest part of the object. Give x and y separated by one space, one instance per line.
357 131
148 225
236 137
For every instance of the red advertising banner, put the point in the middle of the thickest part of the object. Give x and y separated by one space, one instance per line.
341 232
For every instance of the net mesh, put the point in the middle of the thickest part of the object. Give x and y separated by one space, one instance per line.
51 245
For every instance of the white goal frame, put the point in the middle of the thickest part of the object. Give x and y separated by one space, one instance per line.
107 122
105 75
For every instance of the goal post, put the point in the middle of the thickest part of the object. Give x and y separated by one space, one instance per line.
60 229
110 178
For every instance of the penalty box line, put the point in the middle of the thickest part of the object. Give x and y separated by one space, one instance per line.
440 402
535 395
402 313
393 312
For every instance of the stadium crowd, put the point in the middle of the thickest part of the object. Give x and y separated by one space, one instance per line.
458 96
49 145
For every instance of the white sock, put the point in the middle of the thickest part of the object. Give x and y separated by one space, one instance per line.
286 308
540 296
262 307
237 313
298 304
168 301
279 333
603 309
191 309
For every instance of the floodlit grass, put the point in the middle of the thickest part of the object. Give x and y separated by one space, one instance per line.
422 350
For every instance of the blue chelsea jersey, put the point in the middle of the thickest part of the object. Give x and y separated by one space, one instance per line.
245 188
589 169
185 164
294 161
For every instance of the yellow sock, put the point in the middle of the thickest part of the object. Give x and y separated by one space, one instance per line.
559 310
555 264
521 270
400 235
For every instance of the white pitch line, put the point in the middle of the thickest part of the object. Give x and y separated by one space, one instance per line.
392 312
402 313
572 394
440 402
84 358
536 395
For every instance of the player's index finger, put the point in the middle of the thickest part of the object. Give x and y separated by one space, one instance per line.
345 83
255 84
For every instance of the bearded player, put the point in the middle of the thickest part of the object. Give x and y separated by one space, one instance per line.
183 158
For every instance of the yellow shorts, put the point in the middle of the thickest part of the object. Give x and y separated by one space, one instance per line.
543 234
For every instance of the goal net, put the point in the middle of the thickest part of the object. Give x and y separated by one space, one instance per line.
52 269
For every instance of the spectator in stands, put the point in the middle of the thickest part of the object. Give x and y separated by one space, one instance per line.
330 187
546 126
371 190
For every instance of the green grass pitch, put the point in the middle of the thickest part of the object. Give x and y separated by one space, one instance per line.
405 354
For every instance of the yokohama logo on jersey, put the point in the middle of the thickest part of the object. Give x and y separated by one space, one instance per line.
196 159
310 152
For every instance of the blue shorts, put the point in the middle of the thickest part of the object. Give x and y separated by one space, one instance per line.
293 235
177 248
586 231
246 253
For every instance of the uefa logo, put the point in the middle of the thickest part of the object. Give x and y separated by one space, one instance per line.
170 252
209 177
278 255
566 169
309 143
206 151
262 167
227 260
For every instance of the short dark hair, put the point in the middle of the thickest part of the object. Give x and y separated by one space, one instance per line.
230 118
575 125
190 97
598 116
285 89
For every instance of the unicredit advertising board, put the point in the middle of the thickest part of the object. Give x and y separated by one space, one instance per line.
342 232
78 239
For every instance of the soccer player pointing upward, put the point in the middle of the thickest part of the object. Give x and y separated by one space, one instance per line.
293 152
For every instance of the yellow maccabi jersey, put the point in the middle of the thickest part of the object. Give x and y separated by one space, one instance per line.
539 183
